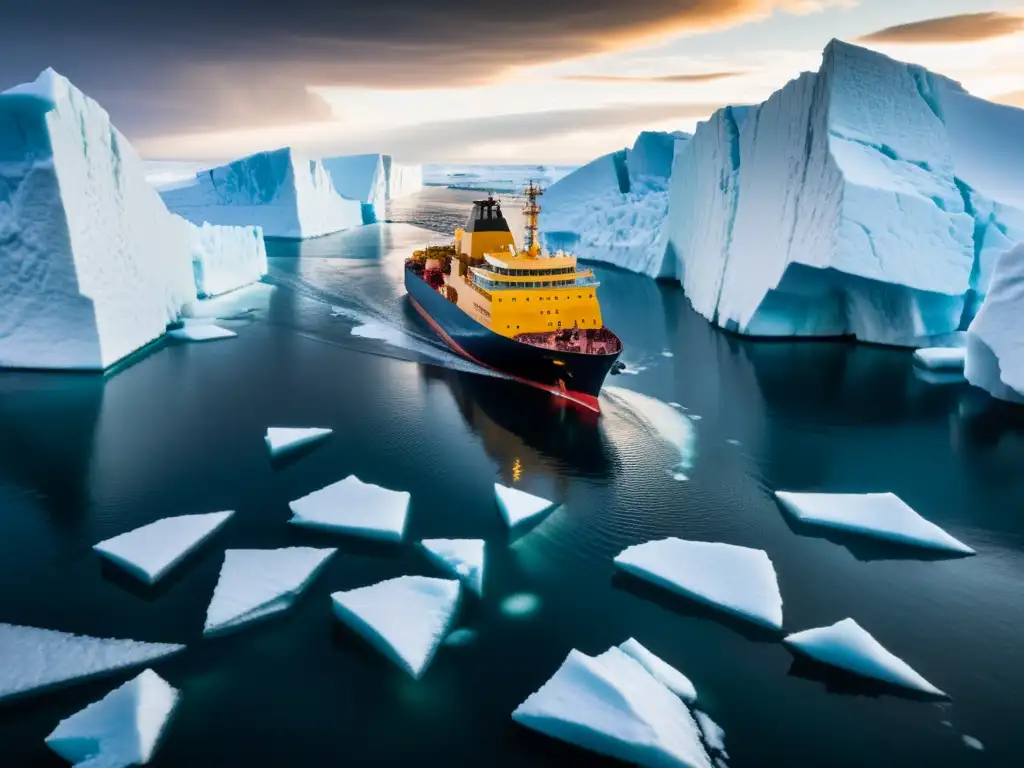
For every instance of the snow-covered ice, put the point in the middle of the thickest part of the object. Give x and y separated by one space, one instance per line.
354 507
123 728
517 507
201 332
652 154
401 180
995 340
93 265
735 579
149 552
255 583
714 736
283 439
848 646
463 558
880 515
284 192
405 618
661 670
941 358
225 258
362 178
36 660
611 705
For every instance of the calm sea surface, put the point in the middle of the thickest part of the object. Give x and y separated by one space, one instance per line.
329 341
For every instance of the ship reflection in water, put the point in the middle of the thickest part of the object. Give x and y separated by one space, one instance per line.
527 431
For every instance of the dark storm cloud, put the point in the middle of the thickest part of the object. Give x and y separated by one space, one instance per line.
186 65
701 77
965 28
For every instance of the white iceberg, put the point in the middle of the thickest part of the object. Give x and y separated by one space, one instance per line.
354 507
995 341
941 358
406 618
94 266
662 671
880 515
201 332
463 558
283 439
225 258
738 580
284 192
123 728
652 154
149 552
402 180
36 660
848 646
611 705
256 583
362 178
518 506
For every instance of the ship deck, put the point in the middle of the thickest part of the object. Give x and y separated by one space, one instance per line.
599 341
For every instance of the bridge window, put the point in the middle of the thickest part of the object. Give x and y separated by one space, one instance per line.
514 299
559 323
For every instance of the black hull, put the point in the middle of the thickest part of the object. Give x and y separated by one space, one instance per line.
575 376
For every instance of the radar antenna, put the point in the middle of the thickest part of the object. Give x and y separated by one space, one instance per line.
531 210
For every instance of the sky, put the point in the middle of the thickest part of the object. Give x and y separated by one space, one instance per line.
545 81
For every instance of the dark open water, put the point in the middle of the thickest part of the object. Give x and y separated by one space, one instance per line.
83 458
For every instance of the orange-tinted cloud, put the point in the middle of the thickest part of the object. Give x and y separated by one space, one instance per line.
1015 99
964 28
699 77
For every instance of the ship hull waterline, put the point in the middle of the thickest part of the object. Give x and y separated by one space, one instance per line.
582 375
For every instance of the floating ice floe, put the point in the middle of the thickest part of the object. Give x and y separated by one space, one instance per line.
461 557
519 506
520 605
460 637
735 579
36 660
662 671
941 358
149 552
611 705
848 646
201 332
714 736
406 618
255 583
354 507
121 729
880 515
282 439
972 743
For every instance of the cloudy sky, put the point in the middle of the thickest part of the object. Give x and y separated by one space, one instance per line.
470 80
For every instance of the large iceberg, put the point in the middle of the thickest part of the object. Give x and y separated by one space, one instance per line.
610 704
123 728
401 180
362 178
225 258
995 340
36 660
286 193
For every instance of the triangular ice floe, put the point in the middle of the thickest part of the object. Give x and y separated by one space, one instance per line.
40 659
405 618
461 557
201 332
255 583
944 358
879 515
149 552
735 579
848 646
282 439
354 507
611 705
121 729
519 506
661 670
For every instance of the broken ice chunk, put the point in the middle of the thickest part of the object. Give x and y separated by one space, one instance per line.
354 507
282 439
519 506
460 557
405 618
880 515
735 579
714 736
847 646
255 583
611 705
121 729
40 659
204 332
945 358
663 672
149 552
972 743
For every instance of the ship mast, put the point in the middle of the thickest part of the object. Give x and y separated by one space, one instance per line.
531 210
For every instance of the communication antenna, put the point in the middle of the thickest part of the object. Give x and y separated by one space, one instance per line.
531 210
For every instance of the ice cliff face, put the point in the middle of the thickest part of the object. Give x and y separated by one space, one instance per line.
224 258
401 180
285 193
92 267
362 178
995 340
